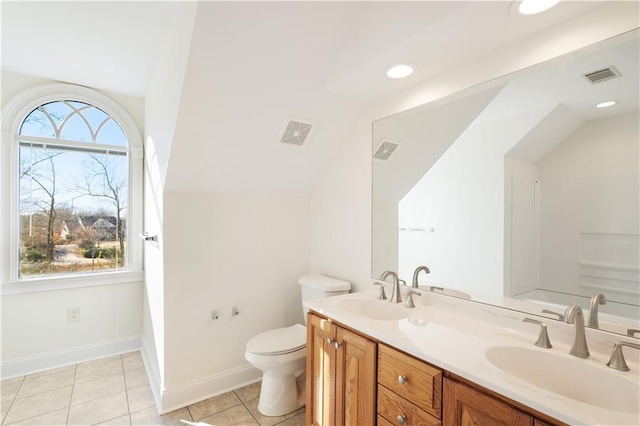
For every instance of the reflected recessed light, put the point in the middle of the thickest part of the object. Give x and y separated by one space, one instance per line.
400 71
606 104
531 7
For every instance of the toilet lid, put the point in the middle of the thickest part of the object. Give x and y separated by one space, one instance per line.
279 341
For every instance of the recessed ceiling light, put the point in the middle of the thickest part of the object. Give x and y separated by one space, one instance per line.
531 7
400 71
606 104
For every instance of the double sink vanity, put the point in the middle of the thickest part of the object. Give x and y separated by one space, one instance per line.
451 361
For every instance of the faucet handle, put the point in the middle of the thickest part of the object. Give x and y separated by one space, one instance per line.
409 302
559 315
632 332
435 287
617 357
543 337
381 295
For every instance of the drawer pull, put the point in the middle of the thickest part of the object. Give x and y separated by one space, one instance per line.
329 341
402 379
401 419
337 345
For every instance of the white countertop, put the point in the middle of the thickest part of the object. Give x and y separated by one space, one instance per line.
455 334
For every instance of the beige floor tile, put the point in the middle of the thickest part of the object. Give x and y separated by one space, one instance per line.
213 405
132 361
297 420
36 405
252 405
96 389
249 392
99 410
140 398
10 387
55 418
136 378
46 381
150 416
120 421
98 369
235 416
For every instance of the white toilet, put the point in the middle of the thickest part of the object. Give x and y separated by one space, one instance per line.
281 353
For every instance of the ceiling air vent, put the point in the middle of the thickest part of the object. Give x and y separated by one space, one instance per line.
296 132
602 75
385 150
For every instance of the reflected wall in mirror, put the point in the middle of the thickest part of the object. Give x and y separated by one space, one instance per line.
520 192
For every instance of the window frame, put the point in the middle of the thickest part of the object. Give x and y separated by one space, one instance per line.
13 115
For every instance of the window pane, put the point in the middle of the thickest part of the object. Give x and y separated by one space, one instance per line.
75 129
112 134
95 117
58 111
73 209
37 124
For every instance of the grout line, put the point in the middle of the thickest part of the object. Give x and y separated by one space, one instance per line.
126 390
12 401
73 388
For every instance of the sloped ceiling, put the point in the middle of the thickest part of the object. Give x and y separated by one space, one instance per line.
253 64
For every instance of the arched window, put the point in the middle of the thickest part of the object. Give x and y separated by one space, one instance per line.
76 163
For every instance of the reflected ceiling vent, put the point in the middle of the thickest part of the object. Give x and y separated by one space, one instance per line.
385 150
602 75
296 132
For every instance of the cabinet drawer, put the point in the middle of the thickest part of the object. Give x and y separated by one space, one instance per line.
390 406
420 382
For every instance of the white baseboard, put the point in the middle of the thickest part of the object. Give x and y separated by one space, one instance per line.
207 387
47 361
150 361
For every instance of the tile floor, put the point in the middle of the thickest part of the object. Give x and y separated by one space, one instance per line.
115 391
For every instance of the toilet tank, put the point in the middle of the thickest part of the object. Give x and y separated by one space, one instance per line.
318 286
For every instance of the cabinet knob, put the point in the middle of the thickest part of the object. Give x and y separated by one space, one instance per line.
329 341
402 379
401 419
337 345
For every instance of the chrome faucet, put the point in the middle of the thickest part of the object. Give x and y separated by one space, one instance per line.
596 299
426 270
395 292
576 316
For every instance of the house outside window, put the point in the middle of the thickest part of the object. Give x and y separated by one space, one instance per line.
72 182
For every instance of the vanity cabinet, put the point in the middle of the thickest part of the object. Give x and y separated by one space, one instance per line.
355 380
409 390
341 375
466 404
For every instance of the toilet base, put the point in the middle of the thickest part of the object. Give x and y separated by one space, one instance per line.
280 395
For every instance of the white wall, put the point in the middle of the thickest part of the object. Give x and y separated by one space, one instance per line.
223 251
341 202
162 103
35 332
589 210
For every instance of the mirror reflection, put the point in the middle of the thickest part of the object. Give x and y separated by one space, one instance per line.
523 192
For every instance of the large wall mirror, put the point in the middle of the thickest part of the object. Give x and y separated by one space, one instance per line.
520 192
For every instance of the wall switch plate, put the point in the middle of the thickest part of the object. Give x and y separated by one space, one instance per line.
214 315
235 311
73 314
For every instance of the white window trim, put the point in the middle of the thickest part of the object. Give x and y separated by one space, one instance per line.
12 116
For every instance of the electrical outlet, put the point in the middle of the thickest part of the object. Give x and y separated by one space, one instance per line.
73 314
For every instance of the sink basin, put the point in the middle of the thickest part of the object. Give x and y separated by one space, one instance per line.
569 376
373 309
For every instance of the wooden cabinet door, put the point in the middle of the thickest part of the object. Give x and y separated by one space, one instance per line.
464 406
355 379
320 371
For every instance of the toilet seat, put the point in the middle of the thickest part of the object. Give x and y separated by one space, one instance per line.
280 341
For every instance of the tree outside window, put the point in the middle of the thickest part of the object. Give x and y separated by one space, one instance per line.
74 189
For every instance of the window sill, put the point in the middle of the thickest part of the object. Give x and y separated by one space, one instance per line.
37 285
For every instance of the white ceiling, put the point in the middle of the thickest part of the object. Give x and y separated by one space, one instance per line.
252 64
